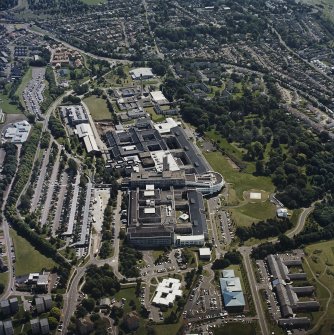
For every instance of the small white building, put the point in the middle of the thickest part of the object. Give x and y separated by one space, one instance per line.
159 98
282 212
167 291
204 253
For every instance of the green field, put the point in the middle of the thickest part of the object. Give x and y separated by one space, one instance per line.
98 108
24 82
253 212
6 106
28 259
4 278
240 181
236 329
154 116
320 257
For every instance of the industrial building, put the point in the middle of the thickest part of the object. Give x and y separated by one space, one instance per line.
159 98
233 296
75 114
288 295
78 119
141 73
167 291
17 132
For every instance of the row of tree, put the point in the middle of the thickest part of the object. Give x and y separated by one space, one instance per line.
264 229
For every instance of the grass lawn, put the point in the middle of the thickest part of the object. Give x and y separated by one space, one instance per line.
24 82
6 106
157 253
320 257
4 278
223 144
168 329
115 80
236 329
28 259
129 294
253 212
154 116
241 181
98 108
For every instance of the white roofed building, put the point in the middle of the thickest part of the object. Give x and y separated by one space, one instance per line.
167 292
159 98
141 73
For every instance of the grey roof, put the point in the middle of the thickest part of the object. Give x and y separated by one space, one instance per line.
233 299
197 213
305 290
193 157
303 322
4 303
298 276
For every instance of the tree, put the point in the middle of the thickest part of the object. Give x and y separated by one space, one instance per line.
89 304
55 312
53 323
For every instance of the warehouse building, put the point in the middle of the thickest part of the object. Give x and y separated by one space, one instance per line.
233 297
141 73
17 132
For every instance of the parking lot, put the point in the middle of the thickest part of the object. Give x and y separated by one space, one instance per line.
269 295
33 93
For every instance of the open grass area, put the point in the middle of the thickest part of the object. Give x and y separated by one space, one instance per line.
28 259
236 329
24 82
241 181
129 294
320 257
115 80
154 116
6 106
4 278
253 212
98 108
168 329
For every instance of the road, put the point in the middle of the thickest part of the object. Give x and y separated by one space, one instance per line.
245 251
301 221
6 236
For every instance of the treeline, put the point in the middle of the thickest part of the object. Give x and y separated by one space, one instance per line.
128 258
100 281
56 127
52 91
9 164
231 257
28 152
9 168
264 229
